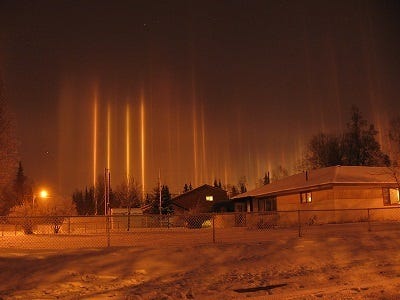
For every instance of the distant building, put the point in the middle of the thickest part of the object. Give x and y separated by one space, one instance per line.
332 188
202 199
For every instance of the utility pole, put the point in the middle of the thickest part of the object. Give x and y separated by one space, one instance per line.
159 189
107 183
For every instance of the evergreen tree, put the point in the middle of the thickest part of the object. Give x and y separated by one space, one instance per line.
215 183
220 184
166 201
360 147
79 201
153 200
234 191
266 179
185 188
89 200
242 184
356 147
21 187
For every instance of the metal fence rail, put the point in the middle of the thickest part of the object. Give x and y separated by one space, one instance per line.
62 232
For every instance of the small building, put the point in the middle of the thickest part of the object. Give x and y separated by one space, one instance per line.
202 199
331 188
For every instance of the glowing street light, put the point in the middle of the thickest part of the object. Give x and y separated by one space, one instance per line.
42 194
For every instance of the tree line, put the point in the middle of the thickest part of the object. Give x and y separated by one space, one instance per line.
128 194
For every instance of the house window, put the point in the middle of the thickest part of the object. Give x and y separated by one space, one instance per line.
209 198
261 204
267 204
390 196
305 197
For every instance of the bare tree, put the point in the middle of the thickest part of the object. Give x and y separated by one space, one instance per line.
128 194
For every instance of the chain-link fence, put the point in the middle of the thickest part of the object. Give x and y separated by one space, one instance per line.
62 232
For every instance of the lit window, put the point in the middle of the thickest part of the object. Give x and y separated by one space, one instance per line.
209 198
390 196
305 197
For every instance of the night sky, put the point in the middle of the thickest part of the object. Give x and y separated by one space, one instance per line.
226 88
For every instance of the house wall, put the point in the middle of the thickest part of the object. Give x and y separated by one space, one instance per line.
321 199
358 197
349 203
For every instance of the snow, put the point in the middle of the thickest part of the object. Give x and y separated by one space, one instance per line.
327 262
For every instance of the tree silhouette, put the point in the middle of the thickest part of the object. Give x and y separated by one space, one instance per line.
8 142
357 146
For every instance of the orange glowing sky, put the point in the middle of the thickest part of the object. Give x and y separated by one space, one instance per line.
215 89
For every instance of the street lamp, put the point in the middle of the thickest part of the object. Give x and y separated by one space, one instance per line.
42 194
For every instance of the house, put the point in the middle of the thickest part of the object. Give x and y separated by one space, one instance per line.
331 188
202 199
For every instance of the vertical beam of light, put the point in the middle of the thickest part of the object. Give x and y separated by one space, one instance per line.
334 80
108 136
226 175
259 172
194 128
128 158
195 144
374 90
194 122
95 150
203 142
142 143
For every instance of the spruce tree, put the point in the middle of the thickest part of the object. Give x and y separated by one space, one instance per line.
215 183
166 201
20 186
266 179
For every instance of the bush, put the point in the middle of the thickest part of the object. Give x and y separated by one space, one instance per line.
196 220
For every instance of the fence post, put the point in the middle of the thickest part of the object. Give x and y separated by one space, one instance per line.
369 221
213 227
299 222
108 230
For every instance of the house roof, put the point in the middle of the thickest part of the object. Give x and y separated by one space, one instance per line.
204 186
325 177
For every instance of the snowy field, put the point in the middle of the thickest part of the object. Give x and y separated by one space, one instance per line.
327 262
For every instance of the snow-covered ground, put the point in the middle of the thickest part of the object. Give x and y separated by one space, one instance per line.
326 263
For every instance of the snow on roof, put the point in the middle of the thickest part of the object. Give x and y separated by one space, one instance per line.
336 175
